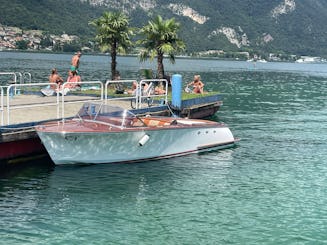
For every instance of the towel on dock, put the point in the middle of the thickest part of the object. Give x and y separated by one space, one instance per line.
47 91
50 92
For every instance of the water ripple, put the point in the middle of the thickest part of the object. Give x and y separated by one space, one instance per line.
270 189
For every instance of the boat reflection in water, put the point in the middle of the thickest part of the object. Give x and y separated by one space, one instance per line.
105 134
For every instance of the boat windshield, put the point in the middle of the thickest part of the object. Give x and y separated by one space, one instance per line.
116 115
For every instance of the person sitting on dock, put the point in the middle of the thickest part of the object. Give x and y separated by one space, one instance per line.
119 87
197 85
73 80
133 88
159 90
55 78
55 83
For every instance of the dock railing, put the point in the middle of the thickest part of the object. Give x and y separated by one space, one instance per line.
114 92
30 106
24 103
26 75
2 106
80 99
139 97
13 76
152 94
17 77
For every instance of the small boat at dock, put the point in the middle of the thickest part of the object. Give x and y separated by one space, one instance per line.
106 134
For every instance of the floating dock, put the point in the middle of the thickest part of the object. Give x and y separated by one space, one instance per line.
20 113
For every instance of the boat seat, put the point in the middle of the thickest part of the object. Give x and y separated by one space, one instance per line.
151 122
156 123
137 123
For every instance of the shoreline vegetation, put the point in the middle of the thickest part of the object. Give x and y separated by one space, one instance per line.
199 57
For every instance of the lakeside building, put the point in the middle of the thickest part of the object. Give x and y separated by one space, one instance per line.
9 36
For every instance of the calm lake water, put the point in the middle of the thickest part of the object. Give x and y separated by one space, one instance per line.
271 189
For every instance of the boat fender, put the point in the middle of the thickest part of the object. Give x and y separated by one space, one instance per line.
144 139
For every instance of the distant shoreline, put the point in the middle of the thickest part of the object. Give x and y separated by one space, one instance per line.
180 57
127 55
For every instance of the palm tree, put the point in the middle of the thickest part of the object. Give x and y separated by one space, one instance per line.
114 34
160 38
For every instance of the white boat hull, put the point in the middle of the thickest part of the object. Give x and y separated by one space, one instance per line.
130 146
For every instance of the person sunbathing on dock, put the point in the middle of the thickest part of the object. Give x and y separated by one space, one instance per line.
55 79
133 88
73 80
197 85
55 83
159 90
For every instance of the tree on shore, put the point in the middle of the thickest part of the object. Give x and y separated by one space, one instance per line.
160 38
22 44
114 34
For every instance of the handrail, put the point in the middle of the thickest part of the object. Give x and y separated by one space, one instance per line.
10 73
27 74
2 105
9 107
153 95
20 76
138 95
8 104
14 82
108 82
66 84
21 80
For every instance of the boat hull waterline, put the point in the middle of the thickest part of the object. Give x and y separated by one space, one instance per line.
112 147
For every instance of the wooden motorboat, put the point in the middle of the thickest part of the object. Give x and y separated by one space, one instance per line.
105 134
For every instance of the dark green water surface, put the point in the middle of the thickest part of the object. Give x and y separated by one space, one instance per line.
271 189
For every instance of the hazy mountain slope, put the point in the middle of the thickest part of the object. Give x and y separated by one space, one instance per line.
291 26
54 16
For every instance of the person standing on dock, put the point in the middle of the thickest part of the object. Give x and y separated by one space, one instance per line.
75 61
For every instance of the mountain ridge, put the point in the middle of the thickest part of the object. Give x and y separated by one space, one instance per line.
285 26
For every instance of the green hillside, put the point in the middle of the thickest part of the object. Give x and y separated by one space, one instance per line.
301 31
53 16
